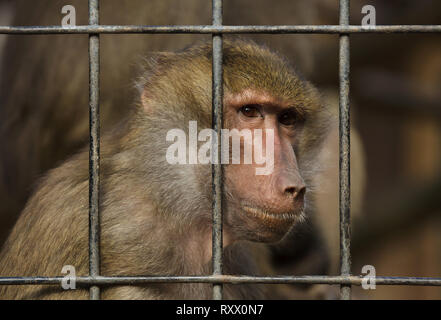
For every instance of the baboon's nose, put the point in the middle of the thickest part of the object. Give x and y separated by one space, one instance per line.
292 185
297 193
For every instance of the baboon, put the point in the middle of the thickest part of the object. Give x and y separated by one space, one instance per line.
42 123
44 116
156 216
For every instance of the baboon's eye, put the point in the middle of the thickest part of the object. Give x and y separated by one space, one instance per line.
251 111
289 118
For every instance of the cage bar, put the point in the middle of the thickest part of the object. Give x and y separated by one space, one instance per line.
210 29
344 161
139 280
94 151
217 170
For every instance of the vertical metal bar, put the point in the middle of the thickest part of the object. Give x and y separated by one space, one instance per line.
345 200
217 170
94 151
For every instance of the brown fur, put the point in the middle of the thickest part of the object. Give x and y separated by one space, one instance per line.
155 217
44 81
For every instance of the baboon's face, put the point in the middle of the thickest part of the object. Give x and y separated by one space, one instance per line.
268 110
266 196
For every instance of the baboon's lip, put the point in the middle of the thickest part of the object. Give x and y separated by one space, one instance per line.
268 215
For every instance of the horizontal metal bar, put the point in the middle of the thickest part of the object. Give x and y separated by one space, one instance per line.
330 29
122 280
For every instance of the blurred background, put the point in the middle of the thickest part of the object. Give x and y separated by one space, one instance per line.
395 110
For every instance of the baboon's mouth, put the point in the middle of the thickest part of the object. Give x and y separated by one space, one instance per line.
268 215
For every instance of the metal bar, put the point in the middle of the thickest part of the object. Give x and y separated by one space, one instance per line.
94 151
217 170
126 280
344 188
209 29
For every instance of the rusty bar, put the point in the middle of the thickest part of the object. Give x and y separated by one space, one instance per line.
210 29
217 170
344 188
94 151
138 280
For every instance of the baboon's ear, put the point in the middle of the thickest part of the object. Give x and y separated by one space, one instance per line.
153 67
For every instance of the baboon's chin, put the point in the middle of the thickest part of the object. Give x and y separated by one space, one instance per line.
267 235
261 228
